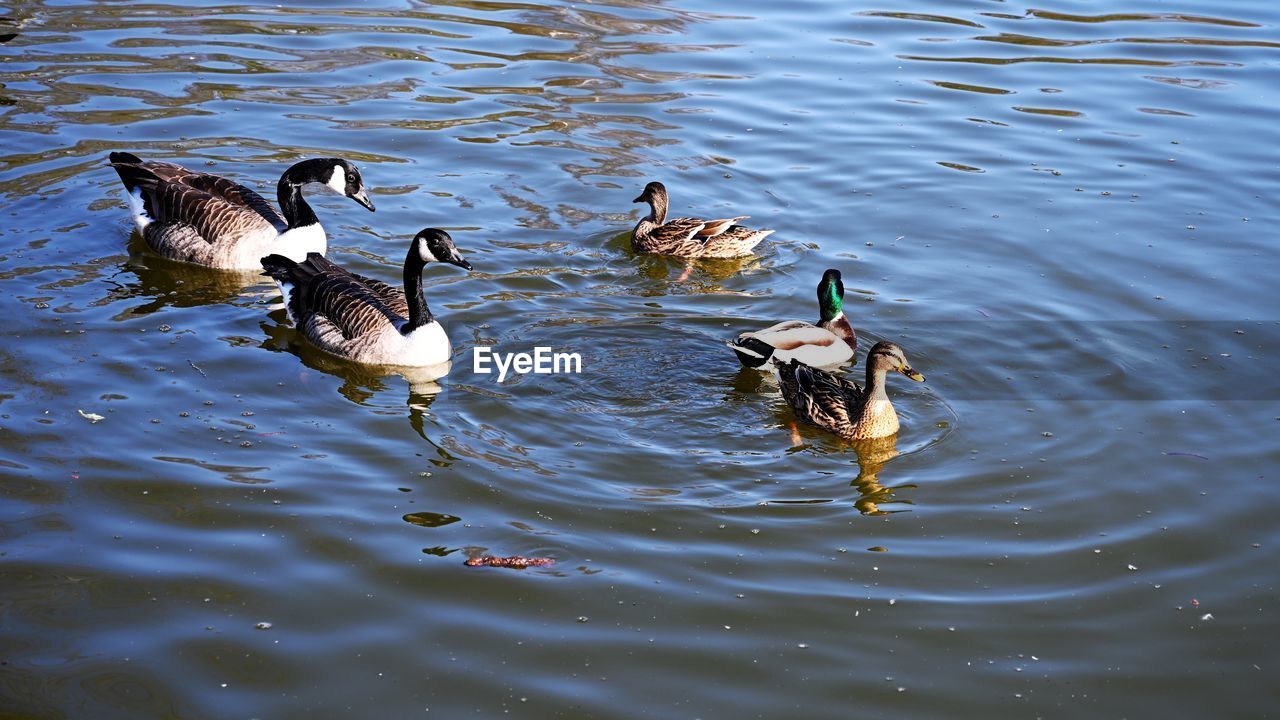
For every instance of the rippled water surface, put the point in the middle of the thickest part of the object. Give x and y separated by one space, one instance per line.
1064 213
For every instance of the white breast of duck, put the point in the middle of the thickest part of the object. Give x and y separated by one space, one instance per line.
425 345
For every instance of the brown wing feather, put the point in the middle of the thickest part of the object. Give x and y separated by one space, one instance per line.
237 194
735 241
346 299
676 236
166 188
215 219
715 227
818 396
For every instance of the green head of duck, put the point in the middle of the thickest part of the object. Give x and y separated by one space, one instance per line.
830 295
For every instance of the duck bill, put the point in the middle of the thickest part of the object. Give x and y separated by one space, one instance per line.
906 370
644 197
363 198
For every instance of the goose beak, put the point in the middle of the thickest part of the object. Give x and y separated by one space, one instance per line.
459 261
906 370
363 198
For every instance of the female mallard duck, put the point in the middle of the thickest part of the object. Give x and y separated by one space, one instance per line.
689 237
835 404
364 320
209 220
829 343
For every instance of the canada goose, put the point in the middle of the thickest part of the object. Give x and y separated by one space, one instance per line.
209 220
829 343
362 319
835 404
689 237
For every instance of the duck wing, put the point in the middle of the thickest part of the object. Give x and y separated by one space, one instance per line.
711 228
319 286
734 241
219 209
817 396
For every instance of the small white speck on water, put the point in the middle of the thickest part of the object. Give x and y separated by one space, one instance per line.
1206 617
1132 566
802 646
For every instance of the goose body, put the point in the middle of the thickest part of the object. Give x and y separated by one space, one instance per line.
829 343
690 237
362 319
208 220
840 406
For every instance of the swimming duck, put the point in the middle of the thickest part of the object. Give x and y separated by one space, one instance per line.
835 404
208 220
689 237
364 320
830 343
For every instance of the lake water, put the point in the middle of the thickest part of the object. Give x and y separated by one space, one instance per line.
1064 213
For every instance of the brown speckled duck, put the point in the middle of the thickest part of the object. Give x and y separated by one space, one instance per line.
690 237
835 404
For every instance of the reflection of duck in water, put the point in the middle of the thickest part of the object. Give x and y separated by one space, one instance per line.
689 237
364 320
830 343
838 405
872 457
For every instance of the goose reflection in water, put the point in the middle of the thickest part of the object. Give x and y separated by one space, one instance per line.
360 382
166 283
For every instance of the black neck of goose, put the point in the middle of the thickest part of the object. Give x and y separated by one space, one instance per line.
419 313
296 210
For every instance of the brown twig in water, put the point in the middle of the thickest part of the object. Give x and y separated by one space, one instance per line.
514 561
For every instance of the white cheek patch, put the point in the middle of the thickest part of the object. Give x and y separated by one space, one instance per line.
338 181
425 253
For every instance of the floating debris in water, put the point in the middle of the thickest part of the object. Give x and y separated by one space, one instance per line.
91 417
263 625
1186 454
514 561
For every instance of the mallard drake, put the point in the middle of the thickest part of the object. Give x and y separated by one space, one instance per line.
835 404
830 343
689 237
209 220
364 320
